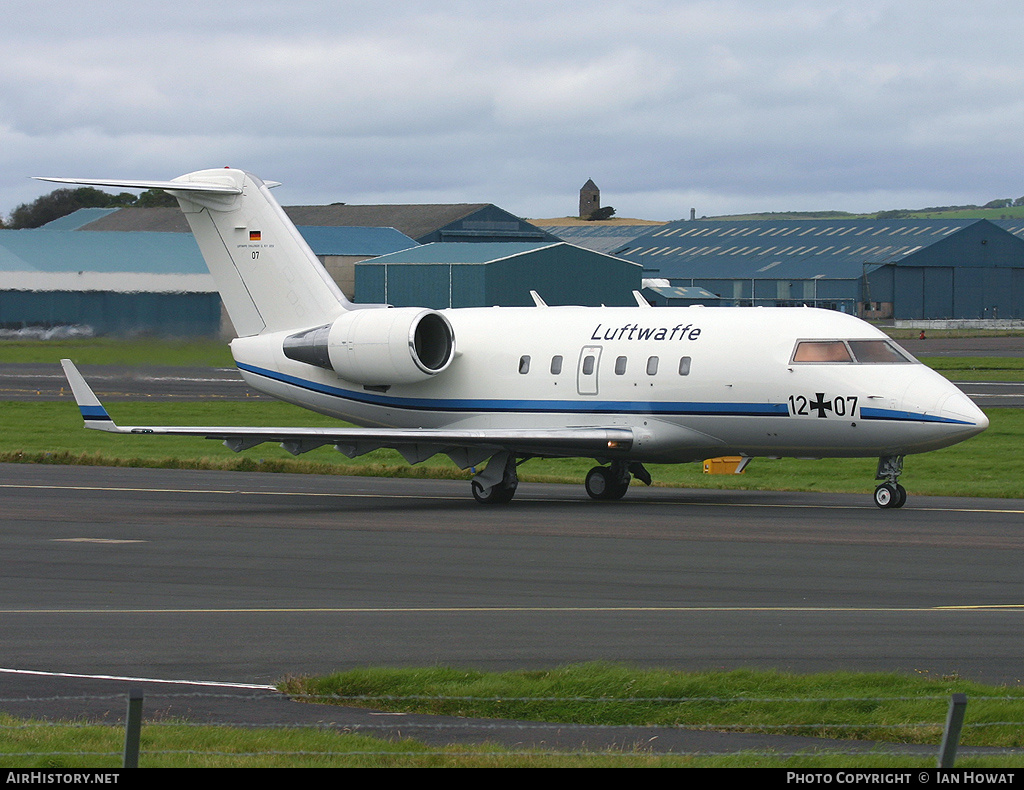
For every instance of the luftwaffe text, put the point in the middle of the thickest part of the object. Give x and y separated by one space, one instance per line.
637 332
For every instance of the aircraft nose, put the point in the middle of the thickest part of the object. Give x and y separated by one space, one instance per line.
956 406
952 414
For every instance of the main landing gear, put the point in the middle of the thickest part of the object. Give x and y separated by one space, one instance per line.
890 494
612 482
497 484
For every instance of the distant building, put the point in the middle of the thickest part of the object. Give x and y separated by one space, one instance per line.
142 282
590 199
481 275
601 236
424 223
118 283
901 268
669 296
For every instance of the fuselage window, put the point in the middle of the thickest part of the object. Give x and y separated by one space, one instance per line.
684 366
620 366
588 365
524 364
822 351
652 366
556 365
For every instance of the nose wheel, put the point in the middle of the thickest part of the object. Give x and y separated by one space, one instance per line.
890 494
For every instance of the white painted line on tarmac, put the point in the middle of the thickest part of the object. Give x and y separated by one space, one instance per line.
208 683
368 495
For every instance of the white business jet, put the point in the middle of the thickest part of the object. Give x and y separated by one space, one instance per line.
623 386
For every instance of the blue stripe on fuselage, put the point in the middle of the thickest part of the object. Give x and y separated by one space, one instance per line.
908 416
530 406
576 406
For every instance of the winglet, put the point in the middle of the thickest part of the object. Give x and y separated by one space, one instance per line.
93 413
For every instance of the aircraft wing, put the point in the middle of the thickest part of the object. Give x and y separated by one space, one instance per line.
465 447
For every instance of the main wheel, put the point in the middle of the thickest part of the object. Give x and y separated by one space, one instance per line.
498 495
890 495
602 484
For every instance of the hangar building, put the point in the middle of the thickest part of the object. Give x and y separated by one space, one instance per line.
444 275
141 281
424 223
137 270
906 268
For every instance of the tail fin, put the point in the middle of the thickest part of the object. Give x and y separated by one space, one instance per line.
267 275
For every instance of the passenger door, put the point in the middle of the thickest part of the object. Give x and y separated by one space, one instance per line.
586 371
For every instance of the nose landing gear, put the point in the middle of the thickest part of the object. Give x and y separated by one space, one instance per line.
890 494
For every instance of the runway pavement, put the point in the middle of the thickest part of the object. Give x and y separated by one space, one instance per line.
245 578
248 577
46 382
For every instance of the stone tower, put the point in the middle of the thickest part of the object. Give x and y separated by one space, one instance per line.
590 199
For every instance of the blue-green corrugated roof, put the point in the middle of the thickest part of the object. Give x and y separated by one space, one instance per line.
52 250
326 240
783 249
461 252
77 219
600 238
72 251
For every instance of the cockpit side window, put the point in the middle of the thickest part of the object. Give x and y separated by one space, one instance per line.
821 351
879 352
864 352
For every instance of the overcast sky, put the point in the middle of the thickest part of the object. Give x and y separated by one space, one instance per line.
726 106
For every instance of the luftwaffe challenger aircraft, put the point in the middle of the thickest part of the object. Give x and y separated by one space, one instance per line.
624 386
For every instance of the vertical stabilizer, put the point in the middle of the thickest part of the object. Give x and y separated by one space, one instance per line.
268 277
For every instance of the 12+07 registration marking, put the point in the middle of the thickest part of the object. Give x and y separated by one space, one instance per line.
839 406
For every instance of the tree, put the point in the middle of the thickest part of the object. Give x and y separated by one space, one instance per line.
605 212
155 198
61 202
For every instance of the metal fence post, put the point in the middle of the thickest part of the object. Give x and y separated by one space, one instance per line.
133 728
951 735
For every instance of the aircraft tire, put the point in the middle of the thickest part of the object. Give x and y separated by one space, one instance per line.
600 484
499 495
890 495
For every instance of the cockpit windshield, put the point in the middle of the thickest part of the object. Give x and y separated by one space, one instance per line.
864 352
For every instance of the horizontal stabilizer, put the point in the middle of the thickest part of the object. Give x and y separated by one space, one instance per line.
178 186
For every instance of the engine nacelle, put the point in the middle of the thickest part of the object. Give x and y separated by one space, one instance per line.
378 346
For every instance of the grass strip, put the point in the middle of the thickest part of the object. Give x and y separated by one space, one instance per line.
877 707
989 465
63 746
114 351
978 368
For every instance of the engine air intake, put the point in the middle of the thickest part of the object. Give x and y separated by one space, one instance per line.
378 347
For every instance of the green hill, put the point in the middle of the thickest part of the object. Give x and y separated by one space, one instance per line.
987 211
